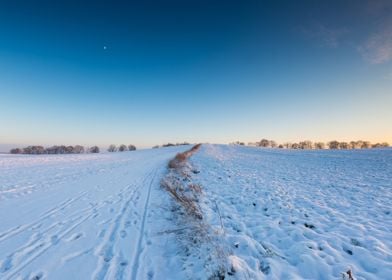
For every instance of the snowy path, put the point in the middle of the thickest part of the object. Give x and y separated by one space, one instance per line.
300 214
85 216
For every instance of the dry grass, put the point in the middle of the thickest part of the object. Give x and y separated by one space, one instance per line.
174 188
193 231
180 159
195 188
173 183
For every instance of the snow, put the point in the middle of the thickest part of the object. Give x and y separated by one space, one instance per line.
89 216
291 214
269 213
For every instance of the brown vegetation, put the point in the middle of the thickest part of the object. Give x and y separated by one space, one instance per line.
180 159
186 198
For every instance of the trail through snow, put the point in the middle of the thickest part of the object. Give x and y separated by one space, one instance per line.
86 216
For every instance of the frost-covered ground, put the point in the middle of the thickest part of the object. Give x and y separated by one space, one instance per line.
269 214
290 214
89 216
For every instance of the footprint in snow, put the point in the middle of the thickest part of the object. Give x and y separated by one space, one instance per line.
124 263
7 264
76 236
355 242
348 251
309 226
38 276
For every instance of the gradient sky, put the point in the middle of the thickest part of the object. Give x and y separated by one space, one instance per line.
101 72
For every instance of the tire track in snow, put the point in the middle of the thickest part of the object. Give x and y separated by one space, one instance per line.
136 260
106 249
112 263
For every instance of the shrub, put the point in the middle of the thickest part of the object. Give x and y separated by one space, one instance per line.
51 150
168 145
131 147
319 145
344 145
16 151
333 144
365 145
384 145
112 148
353 145
60 149
94 149
287 145
34 150
69 150
78 149
305 145
238 143
122 148
264 143
295 146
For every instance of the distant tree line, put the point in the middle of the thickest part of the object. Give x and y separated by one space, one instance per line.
40 150
237 143
307 145
122 148
170 145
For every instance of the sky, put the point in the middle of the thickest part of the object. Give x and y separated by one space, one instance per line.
152 72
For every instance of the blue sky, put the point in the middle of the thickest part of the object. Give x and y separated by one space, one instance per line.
102 72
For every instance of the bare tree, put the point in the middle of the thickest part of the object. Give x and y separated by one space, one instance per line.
384 145
133 147
319 145
122 148
305 144
358 144
94 149
333 144
34 150
16 151
168 145
61 149
112 148
353 145
273 144
294 146
365 145
264 143
78 149
69 149
344 145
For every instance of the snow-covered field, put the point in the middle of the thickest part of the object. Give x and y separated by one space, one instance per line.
291 214
275 214
89 216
